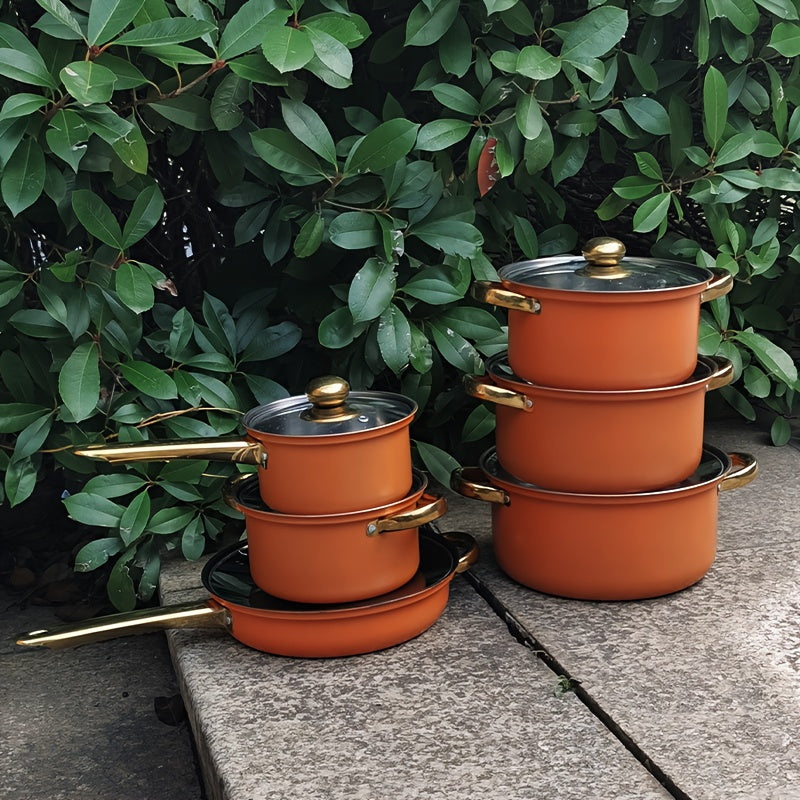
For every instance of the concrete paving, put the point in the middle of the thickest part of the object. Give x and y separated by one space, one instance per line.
694 695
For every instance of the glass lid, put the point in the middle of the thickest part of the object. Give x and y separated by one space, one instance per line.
713 465
227 575
329 408
604 268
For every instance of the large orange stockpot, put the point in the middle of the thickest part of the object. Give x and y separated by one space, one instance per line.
333 558
599 441
330 451
603 321
606 546
271 625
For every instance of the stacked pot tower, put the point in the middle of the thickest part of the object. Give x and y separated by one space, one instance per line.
601 484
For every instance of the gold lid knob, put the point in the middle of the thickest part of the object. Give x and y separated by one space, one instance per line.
328 395
603 254
327 391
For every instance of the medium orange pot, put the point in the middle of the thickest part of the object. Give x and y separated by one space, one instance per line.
606 546
288 629
603 321
333 558
330 451
599 441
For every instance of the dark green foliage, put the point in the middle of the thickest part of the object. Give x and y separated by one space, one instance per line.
205 204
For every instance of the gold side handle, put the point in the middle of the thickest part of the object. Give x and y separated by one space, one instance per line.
720 285
468 547
475 386
432 509
470 482
229 489
722 375
496 295
242 451
209 614
744 469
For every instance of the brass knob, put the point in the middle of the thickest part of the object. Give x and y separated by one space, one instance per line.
328 396
328 391
603 255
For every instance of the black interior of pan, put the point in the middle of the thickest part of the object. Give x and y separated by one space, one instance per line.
227 576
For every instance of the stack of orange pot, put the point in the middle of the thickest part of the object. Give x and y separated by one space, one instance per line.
602 487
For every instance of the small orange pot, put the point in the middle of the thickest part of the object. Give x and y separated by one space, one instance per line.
606 546
333 558
288 629
330 451
599 441
603 321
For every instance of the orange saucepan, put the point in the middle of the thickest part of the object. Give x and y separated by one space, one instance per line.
603 321
599 441
333 558
606 546
275 626
331 451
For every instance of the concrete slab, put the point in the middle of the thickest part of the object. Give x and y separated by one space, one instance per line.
461 711
706 681
79 724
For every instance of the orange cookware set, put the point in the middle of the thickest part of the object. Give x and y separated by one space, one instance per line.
600 483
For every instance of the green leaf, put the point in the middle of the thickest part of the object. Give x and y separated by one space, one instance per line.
108 17
371 290
245 29
525 237
785 38
25 67
307 125
16 416
20 481
742 14
22 105
426 25
756 382
96 553
284 152
715 106
651 213
775 360
170 520
477 324
214 391
97 218
23 178
79 381
529 117
143 216
783 9
648 114
33 437
134 287
135 517
354 230
120 585
648 166
580 122
88 82
331 53
456 98
287 48
115 485
780 431
67 136
394 338
309 237
390 142
149 379
162 32
187 110
439 463
272 342
479 424
451 236
60 12
455 349
594 34
439 134
192 540
536 63
337 329
225 109
736 399
433 285
93 509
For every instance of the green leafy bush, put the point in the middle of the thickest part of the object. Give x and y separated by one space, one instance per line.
206 203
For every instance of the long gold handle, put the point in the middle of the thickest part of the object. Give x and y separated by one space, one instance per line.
467 481
209 614
496 295
720 285
744 469
722 375
477 387
433 508
243 451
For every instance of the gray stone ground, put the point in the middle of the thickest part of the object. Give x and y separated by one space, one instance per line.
703 685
